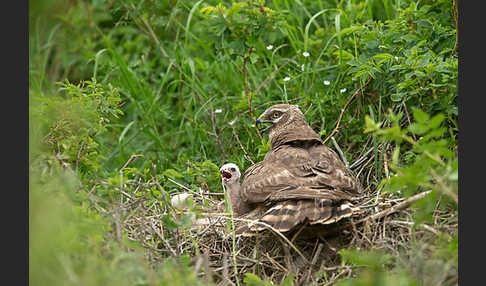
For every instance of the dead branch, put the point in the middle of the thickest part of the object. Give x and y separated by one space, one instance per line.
398 207
130 160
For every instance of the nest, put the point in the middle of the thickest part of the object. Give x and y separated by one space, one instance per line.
221 256
309 253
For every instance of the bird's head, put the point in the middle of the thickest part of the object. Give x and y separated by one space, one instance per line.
278 117
230 173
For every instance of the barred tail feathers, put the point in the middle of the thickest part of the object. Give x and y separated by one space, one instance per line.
285 215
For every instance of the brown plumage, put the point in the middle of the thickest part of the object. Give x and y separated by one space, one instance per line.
300 179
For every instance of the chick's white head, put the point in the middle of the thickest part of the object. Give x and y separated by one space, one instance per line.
230 174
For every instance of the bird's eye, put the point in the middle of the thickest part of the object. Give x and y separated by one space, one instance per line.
276 114
232 169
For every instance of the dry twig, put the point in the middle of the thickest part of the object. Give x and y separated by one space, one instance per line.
340 152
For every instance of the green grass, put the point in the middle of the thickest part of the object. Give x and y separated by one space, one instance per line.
167 79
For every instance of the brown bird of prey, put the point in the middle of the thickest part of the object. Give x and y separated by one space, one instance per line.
300 180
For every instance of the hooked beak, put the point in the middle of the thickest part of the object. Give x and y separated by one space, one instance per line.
263 129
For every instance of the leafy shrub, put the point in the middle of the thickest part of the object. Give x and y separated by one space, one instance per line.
432 161
173 83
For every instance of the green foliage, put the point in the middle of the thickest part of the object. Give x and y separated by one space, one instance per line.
70 241
253 280
165 79
375 264
431 161
178 272
244 26
67 240
73 121
203 174
379 268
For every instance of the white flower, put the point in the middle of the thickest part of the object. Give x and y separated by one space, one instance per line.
287 78
219 110
305 54
269 47
302 67
342 90
326 82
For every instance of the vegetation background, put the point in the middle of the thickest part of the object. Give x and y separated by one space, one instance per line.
167 91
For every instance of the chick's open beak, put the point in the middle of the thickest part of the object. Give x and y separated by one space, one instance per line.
225 175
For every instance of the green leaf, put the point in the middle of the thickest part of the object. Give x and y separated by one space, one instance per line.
396 155
254 58
398 96
345 55
419 115
125 130
418 128
288 281
436 120
392 133
350 30
169 223
383 57
253 280
370 125
173 173
419 73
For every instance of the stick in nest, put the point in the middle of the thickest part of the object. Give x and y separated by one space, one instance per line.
278 233
398 207
340 152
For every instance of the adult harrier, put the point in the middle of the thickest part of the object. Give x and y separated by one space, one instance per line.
300 179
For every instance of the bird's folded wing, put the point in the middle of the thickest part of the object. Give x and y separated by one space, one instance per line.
310 193
291 172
